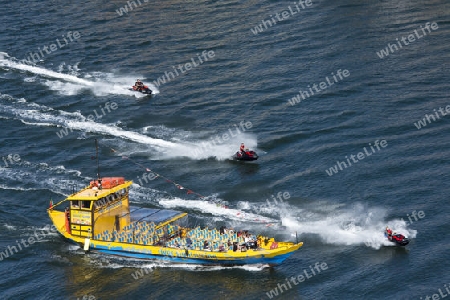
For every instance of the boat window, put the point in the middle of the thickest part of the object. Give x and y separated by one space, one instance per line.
86 204
98 204
75 204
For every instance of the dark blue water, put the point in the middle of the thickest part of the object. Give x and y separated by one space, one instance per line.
179 133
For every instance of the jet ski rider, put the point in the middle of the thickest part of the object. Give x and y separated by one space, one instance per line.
389 232
242 148
139 85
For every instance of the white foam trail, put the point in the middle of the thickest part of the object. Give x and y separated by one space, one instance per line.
10 227
197 151
217 210
89 126
5 187
76 121
73 247
6 63
67 84
27 176
115 262
356 226
39 115
110 83
203 268
203 145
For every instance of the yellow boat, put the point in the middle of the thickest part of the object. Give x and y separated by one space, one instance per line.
100 218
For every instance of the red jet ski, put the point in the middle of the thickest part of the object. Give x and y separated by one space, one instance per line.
247 155
143 89
397 238
140 87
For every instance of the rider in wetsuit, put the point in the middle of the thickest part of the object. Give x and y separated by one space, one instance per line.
139 85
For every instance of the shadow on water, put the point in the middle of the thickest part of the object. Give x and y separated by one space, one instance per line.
395 251
245 167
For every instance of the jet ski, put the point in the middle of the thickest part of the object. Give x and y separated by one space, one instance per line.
143 89
247 155
396 238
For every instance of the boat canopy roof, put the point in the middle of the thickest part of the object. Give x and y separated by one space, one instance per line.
93 193
155 215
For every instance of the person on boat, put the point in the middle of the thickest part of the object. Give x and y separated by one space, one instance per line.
259 241
247 239
188 242
67 213
205 245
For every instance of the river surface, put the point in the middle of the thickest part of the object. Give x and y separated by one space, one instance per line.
346 103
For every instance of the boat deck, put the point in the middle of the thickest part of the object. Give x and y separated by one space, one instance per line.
154 227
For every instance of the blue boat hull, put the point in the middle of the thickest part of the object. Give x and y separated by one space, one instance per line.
186 260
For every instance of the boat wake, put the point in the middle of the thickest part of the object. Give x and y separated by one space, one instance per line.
145 267
179 145
341 225
28 176
193 145
39 115
101 84
218 210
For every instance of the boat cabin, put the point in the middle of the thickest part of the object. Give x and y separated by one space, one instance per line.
102 211
93 209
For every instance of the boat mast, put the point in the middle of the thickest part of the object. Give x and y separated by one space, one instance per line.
96 156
